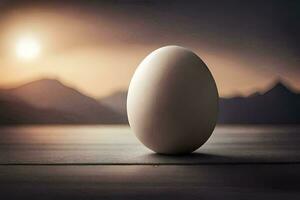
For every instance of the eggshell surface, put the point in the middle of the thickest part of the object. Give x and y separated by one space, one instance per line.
172 102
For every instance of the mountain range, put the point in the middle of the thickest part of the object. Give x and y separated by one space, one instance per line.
278 105
48 101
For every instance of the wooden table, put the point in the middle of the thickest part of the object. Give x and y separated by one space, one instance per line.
107 162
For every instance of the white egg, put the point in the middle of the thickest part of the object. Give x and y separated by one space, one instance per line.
172 102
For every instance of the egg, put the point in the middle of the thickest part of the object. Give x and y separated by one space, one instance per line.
172 102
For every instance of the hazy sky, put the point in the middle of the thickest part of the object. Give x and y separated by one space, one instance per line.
96 46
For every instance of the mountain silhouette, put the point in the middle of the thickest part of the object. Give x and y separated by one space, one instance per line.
51 94
117 102
279 105
18 112
48 101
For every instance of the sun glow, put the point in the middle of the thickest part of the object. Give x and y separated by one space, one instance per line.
27 48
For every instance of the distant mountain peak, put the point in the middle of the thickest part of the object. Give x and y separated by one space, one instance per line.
280 87
51 94
40 84
45 81
49 80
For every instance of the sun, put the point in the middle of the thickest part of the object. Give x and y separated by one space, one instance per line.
28 48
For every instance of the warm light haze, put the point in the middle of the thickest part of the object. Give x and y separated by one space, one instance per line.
96 47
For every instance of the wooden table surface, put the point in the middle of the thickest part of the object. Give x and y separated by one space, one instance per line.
107 162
